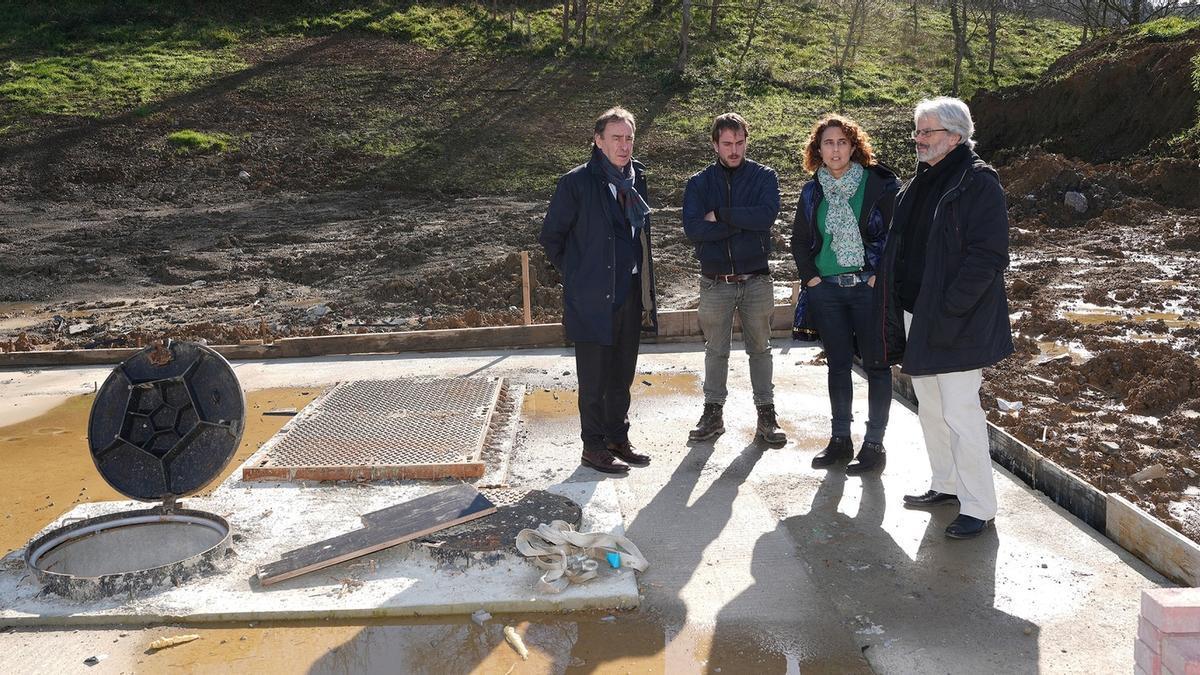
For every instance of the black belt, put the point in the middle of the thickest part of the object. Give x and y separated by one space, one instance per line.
733 278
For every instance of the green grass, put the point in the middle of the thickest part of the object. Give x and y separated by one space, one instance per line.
189 141
76 58
1188 142
1166 28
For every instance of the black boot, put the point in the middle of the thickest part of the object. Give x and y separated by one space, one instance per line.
768 427
839 451
711 424
871 457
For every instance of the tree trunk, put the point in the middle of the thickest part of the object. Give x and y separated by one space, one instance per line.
685 25
958 26
581 16
753 27
993 25
914 15
712 19
566 22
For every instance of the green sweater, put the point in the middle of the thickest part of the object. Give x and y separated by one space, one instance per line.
827 263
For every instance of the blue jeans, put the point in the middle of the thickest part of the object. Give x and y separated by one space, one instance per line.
754 302
843 317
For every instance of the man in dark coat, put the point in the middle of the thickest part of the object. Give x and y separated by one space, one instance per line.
729 211
941 298
597 234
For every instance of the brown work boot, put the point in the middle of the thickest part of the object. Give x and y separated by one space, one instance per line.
603 461
625 452
768 427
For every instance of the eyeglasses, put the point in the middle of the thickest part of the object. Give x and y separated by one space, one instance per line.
919 133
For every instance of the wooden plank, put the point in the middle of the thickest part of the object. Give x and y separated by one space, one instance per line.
525 287
1172 554
383 529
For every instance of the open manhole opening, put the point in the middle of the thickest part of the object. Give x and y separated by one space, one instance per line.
166 423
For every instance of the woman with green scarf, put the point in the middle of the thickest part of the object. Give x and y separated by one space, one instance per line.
841 225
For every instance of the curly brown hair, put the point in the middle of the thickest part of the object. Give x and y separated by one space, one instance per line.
863 154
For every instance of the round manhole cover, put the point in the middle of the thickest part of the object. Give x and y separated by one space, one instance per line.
167 421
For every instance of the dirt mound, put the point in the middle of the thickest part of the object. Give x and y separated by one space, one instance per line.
1119 96
1152 378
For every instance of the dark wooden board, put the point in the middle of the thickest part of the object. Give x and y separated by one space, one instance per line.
383 529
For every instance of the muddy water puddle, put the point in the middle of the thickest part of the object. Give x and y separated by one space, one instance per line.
48 468
1095 317
548 403
579 642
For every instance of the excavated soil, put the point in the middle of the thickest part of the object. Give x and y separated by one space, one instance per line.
1105 378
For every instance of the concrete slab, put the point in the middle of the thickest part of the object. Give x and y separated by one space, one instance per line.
759 562
406 580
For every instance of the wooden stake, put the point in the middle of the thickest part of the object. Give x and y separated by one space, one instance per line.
795 292
525 287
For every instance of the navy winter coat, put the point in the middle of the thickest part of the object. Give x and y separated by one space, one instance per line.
578 235
879 201
960 320
746 202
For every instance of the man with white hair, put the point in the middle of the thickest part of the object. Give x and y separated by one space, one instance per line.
940 295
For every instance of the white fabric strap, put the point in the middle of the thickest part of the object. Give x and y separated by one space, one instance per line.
571 557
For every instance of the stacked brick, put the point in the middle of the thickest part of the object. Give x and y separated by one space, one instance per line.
1168 640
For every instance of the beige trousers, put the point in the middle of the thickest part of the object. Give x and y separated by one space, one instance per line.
956 437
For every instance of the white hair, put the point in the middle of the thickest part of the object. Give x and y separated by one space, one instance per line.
952 113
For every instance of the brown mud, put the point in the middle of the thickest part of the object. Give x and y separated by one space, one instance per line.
1107 331
49 469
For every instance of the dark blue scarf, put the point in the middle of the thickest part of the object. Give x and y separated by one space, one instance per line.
636 208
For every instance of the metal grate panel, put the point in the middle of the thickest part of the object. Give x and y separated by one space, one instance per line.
385 427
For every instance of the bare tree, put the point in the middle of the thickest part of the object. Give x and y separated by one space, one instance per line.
758 10
993 12
846 38
712 18
566 22
685 25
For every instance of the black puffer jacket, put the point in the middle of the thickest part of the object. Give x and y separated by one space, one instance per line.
960 320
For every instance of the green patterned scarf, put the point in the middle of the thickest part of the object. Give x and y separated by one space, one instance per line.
841 222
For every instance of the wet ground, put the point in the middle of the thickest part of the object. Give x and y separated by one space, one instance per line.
1106 313
758 563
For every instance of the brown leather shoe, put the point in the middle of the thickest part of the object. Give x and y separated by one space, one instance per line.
627 453
602 460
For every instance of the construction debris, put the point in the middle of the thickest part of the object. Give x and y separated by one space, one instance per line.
510 634
163 643
383 529
571 557
1149 473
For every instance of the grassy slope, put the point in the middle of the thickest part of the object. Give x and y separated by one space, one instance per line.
514 110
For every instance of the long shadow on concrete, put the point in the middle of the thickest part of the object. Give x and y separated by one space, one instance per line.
931 613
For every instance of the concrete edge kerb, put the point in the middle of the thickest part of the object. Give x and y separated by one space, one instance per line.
1162 548
673 326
